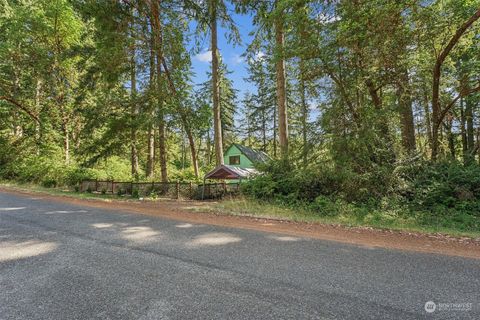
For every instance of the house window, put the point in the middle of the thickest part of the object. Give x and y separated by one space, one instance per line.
234 160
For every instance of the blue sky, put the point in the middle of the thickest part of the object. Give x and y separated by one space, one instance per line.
231 55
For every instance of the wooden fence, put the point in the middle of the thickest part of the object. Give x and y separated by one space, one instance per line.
172 190
216 190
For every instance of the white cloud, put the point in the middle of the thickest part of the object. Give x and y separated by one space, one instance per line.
326 19
259 55
204 56
237 59
312 105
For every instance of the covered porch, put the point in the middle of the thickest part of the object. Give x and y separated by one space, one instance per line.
225 172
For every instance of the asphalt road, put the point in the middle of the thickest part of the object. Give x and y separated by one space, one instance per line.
60 261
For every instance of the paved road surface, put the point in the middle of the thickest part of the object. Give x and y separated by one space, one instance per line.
60 261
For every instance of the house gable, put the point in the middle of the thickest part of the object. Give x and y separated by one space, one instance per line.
243 157
233 154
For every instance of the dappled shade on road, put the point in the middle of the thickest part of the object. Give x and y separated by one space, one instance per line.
15 250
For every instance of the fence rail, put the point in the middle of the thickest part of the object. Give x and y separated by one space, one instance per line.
172 190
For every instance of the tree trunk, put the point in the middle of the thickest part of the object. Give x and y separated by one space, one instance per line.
155 9
437 117
66 140
217 119
275 132
151 152
133 111
150 172
450 136
193 152
406 113
185 122
184 118
209 148
264 131
263 107
478 144
428 123
377 102
162 148
470 130
38 129
463 132
304 115
382 126
281 88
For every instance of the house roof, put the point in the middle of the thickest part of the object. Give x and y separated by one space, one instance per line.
253 155
230 172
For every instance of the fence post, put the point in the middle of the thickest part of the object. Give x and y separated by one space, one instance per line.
178 189
96 185
131 188
190 190
113 189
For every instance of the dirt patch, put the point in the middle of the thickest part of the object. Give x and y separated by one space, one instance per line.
363 236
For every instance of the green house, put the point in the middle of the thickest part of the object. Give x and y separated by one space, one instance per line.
244 157
239 163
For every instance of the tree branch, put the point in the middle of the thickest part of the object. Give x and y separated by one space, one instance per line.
169 77
21 107
462 94
439 62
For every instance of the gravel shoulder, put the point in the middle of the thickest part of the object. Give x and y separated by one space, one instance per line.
191 211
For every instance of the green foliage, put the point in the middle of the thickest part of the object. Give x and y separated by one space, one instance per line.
135 193
47 169
49 183
113 168
184 175
227 102
50 170
306 184
445 195
443 187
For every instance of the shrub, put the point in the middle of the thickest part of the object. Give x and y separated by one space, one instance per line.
184 175
113 168
325 206
76 175
446 189
445 184
135 193
49 183
282 181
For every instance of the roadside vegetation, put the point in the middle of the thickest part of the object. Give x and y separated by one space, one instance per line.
420 198
371 218
444 197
